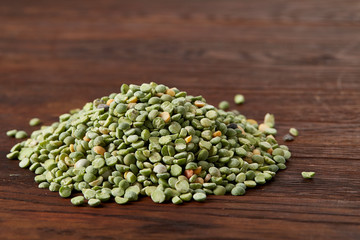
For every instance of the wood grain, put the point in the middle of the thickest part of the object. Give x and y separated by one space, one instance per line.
296 59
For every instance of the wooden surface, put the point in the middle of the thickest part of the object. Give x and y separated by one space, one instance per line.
297 59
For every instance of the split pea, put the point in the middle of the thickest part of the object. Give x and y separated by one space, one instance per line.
151 140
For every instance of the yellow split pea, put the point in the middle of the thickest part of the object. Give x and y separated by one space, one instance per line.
165 116
170 92
109 102
99 150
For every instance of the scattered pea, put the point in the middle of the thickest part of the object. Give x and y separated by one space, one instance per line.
11 133
294 132
288 138
21 134
308 175
224 105
239 99
34 122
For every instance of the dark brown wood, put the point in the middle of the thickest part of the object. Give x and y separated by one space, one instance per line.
296 59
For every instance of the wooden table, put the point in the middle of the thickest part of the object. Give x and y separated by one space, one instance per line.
296 59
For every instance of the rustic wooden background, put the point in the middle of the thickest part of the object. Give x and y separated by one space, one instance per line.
297 59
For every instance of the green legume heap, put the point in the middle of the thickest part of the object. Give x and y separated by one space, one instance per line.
151 140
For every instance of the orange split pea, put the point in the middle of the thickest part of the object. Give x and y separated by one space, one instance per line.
133 99
109 102
165 116
252 121
207 177
199 103
199 180
242 130
99 150
170 92
86 139
197 171
188 173
216 134
188 139
72 149
256 151
248 160
263 127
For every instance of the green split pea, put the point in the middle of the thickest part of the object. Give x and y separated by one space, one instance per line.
150 140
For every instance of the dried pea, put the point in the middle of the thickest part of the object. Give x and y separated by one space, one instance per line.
77 201
34 122
219 190
294 132
94 202
121 200
308 175
238 191
151 140
158 196
176 200
224 105
239 99
199 197
21 134
288 138
182 186
65 191
11 133
186 197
